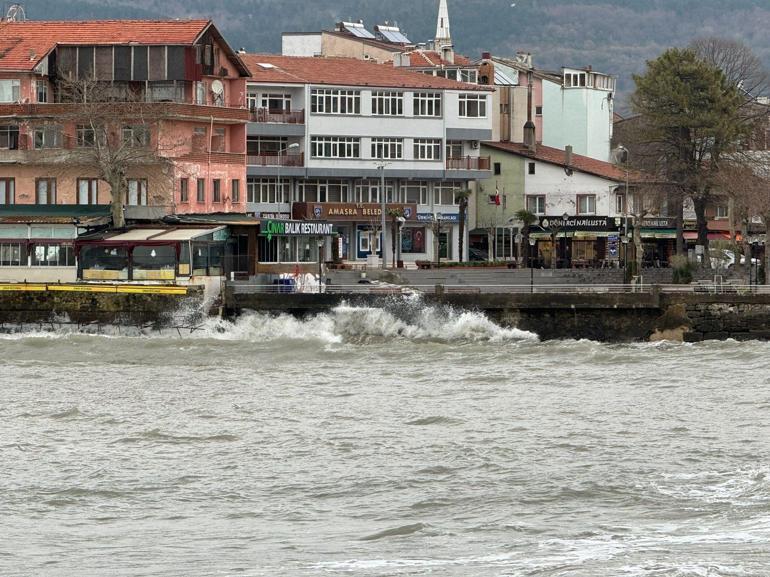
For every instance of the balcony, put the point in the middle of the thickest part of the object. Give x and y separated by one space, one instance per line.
274 159
264 115
468 163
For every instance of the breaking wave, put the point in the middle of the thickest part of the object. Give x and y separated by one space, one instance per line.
405 320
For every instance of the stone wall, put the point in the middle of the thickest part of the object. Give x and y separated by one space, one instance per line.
52 307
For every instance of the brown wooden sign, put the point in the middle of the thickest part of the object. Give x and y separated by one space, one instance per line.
348 211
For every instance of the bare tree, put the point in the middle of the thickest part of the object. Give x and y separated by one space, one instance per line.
117 134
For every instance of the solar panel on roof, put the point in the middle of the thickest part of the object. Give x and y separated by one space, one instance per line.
357 30
502 79
394 36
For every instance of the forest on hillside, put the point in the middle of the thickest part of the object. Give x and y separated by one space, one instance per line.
615 36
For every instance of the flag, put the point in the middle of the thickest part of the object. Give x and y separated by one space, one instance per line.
497 196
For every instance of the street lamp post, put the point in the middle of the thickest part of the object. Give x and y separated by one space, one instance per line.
279 183
400 220
320 261
624 241
381 168
532 243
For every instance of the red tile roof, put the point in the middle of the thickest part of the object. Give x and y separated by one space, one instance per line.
24 44
556 156
343 72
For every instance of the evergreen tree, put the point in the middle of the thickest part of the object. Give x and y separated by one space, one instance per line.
691 121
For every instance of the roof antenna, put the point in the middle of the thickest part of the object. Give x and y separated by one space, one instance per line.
16 13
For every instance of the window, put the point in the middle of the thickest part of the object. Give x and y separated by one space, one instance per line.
323 191
267 191
276 102
427 104
86 137
184 190
136 136
88 190
13 254
9 137
10 90
531 168
444 192
45 191
574 80
335 101
48 136
536 204
388 103
218 140
427 149
235 190
137 192
41 90
217 190
470 76
52 255
288 249
722 211
335 147
7 191
586 204
201 192
498 168
387 148
620 203
454 149
538 111
415 191
473 106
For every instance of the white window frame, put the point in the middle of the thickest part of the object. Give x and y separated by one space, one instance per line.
10 90
136 192
427 104
427 148
335 101
590 199
536 204
472 106
335 147
386 103
48 136
387 148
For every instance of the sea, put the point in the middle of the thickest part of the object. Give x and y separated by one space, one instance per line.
402 441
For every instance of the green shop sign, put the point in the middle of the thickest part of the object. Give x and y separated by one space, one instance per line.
271 228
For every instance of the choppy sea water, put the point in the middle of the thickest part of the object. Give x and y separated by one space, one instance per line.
414 441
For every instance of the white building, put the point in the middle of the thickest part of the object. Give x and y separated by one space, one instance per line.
323 131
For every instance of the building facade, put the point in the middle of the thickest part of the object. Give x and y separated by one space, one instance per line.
325 132
166 97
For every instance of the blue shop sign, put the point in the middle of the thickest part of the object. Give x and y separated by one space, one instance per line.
428 217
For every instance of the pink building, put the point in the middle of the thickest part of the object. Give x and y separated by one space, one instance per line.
175 87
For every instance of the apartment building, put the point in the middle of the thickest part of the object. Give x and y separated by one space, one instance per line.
571 107
157 105
326 131
174 89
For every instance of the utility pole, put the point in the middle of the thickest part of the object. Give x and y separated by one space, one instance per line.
381 168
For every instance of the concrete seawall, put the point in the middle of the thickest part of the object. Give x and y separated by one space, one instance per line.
98 304
609 317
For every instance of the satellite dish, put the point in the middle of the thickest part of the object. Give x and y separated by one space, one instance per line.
16 13
217 87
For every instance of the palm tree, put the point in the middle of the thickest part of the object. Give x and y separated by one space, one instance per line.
527 219
462 196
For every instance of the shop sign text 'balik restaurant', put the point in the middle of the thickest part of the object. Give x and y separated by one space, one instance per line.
351 212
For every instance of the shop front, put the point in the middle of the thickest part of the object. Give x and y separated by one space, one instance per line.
293 246
576 242
658 240
358 226
152 254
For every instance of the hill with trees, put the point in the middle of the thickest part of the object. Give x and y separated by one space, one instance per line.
615 36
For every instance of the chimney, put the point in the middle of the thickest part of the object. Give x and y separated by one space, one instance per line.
486 70
568 156
529 127
448 53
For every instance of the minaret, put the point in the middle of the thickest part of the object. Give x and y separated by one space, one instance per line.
443 37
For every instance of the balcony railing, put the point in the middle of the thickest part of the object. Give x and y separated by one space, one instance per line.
276 160
278 116
468 163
